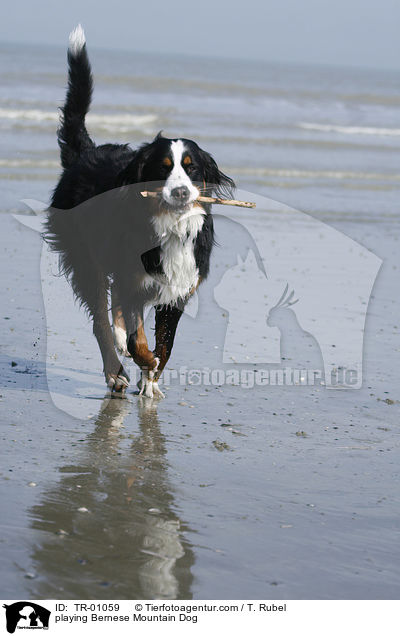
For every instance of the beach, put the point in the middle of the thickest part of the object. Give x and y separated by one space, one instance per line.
224 489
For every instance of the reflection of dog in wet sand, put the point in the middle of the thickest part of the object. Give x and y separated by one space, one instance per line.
145 251
131 536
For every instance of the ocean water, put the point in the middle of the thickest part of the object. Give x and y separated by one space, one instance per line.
322 139
216 491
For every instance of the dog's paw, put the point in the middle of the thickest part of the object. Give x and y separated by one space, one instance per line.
149 388
147 385
118 385
157 393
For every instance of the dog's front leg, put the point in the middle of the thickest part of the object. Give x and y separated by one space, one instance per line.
167 319
142 356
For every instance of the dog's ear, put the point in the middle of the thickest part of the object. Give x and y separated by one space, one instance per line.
217 182
134 171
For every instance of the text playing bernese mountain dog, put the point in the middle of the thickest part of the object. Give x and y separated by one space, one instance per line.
113 243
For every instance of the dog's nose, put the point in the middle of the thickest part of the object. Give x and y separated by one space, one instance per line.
181 193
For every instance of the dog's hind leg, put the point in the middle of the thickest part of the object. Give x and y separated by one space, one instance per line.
116 377
90 285
118 327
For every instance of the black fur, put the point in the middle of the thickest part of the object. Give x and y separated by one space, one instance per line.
73 138
100 227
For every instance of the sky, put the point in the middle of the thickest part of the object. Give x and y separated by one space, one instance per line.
354 33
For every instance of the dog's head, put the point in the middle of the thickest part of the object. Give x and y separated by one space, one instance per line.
181 170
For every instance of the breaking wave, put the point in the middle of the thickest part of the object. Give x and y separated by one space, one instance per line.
351 130
113 122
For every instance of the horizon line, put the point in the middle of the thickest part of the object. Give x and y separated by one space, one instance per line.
225 58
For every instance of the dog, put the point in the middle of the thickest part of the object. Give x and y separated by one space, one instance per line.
113 243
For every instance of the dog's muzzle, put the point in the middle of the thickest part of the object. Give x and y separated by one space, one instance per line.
180 195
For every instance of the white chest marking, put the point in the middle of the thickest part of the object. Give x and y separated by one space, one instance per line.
177 234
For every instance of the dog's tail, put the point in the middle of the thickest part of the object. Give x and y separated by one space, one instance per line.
73 137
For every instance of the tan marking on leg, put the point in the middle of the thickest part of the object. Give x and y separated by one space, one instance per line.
117 317
143 357
119 331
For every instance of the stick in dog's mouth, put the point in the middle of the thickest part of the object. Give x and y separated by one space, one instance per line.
235 202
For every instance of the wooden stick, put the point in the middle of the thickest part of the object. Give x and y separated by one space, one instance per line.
239 204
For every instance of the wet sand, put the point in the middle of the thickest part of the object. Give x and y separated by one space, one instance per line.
221 492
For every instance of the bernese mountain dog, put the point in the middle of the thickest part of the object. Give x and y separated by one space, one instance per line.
115 244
